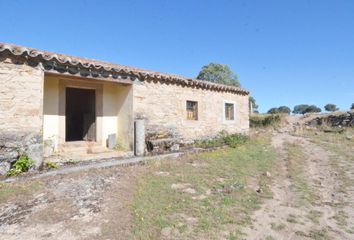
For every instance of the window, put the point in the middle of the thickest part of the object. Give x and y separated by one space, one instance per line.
229 111
192 110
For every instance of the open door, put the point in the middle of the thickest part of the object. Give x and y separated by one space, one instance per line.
80 113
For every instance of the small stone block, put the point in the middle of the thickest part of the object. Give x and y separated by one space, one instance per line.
111 141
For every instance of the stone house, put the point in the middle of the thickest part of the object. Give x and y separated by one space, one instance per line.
50 101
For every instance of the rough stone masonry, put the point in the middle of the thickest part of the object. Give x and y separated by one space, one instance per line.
21 113
158 98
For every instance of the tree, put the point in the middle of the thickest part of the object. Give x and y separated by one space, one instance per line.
304 108
273 111
284 109
253 105
218 73
313 109
330 107
300 109
281 109
352 107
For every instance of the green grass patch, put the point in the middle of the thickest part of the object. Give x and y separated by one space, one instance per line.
222 176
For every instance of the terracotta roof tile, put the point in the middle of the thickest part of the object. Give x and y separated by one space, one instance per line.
96 65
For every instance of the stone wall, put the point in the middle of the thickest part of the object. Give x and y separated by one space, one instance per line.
164 107
21 112
334 120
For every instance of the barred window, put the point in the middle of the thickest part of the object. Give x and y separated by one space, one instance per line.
192 110
229 111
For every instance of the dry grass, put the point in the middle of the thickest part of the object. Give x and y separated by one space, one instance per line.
295 163
16 189
217 193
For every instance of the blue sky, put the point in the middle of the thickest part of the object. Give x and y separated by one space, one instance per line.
285 52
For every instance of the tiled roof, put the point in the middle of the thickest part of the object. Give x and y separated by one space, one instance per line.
93 68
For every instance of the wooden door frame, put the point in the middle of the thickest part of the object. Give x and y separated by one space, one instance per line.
98 87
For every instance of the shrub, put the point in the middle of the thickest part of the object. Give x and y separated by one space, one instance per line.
352 107
264 120
22 164
212 142
223 138
235 140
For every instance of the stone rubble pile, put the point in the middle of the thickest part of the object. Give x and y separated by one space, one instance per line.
334 120
161 140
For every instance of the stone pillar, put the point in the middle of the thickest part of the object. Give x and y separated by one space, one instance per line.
139 137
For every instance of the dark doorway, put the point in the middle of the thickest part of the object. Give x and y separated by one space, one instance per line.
80 110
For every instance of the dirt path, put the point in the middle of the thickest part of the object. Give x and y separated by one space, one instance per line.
328 204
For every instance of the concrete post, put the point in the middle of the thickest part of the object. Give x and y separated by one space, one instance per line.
139 137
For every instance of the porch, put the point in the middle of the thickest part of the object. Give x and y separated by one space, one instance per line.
85 119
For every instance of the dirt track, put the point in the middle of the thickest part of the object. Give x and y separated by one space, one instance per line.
330 215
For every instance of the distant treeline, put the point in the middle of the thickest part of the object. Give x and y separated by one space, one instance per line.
304 108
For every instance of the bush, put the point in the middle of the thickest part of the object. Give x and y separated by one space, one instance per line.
264 120
221 139
235 140
22 164
213 142
352 107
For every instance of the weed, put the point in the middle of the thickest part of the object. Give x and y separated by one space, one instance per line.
291 218
277 227
269 238
119 147
319 234
22 164
235 140
51 165
72 162
314 215
341 218
232 140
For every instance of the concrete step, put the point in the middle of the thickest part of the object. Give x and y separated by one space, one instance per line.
82 147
